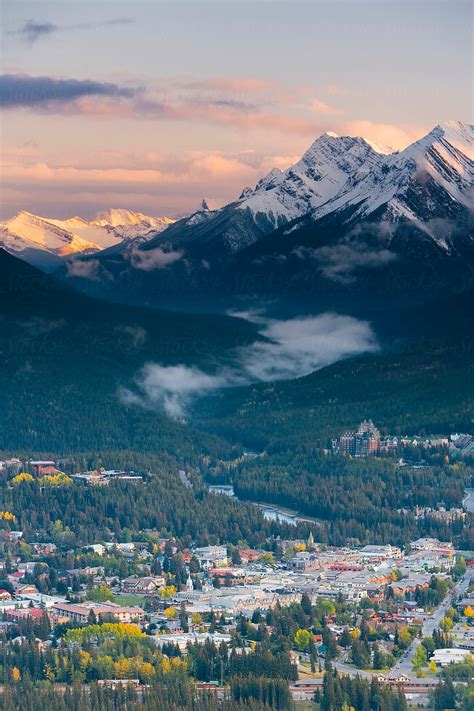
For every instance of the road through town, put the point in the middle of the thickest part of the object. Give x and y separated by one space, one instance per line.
405 664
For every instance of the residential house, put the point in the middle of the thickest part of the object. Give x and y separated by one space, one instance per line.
142 586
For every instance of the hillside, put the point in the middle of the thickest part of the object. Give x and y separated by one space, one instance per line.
422 383
417 391
65 356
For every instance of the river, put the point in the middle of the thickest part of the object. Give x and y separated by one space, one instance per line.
270 511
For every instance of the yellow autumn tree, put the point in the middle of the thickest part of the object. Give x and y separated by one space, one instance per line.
302 639
16 675
468 611
145 671
171 613
123 669
84 659
20 478
109 630
59 479
177 663
7 516
446 624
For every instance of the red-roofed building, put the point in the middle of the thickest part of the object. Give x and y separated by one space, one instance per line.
24 613
249 555
16 577
42 467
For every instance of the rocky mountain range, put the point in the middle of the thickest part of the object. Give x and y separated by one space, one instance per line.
350 216
46 242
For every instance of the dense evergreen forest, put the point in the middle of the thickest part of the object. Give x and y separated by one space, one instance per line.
428 389
371 500
161 502
65 357
178 695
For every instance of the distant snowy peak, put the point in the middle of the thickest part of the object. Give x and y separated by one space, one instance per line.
27 233
119 217
59 237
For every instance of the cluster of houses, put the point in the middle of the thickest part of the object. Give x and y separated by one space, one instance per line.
350 574
225 582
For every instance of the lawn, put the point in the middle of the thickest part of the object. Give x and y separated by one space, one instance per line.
130 600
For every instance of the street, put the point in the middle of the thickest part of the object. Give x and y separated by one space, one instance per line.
405 663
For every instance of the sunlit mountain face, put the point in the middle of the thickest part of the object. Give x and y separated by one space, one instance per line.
47 242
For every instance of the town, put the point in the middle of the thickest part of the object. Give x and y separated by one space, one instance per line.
398 616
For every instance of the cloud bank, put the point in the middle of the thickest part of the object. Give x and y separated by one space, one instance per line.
149 259
84 269
171 387
295 348
34 30
21 90
340 261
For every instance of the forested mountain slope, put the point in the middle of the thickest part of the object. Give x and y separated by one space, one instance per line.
64 357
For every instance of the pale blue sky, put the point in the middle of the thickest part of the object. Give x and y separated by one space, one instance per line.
285 72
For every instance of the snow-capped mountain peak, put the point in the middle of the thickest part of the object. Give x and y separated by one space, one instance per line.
352 178
321 173
45 240
429 180
120 217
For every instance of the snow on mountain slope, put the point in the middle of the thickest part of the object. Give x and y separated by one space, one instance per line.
26 232
101 238
428 180
131 222
319 176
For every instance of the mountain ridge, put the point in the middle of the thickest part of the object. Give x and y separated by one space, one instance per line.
347 218
48 241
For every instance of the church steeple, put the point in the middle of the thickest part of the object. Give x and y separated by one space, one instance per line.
189 583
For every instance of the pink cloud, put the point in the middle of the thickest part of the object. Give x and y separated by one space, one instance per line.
229 115
397 137
237 84
320 107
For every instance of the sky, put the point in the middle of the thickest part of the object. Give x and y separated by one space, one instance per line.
153 106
